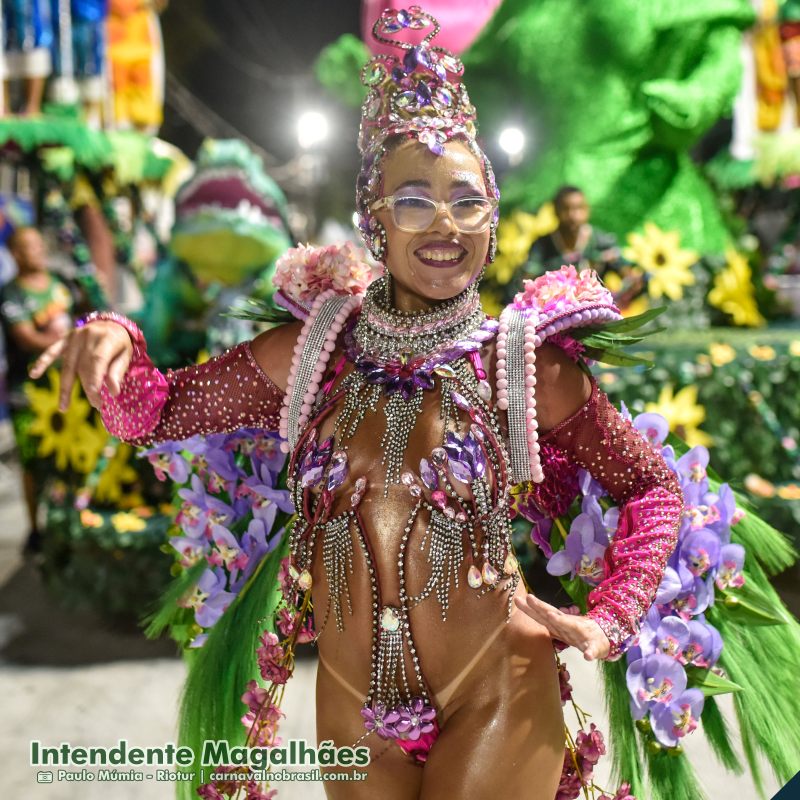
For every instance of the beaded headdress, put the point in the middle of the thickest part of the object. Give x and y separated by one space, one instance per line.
419 95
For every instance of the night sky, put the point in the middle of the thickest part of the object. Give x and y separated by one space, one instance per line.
249 62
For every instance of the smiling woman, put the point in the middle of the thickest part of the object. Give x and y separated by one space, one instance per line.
437 260
408 415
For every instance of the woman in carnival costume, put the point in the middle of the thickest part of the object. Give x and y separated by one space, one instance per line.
416 428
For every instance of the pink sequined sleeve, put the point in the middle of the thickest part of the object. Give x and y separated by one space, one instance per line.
223 394
599 439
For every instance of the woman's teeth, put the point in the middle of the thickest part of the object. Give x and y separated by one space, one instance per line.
441 255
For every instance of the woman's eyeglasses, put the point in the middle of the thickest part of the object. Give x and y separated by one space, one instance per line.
416 214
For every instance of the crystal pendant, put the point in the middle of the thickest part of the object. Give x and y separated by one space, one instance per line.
443 98
451 64
439 456
376 75
373 106
510 565
484 391
390 619
406 100
304 580
293 573
445 370
474 578
489 574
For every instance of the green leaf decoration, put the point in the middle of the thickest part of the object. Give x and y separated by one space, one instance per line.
746 604
709 682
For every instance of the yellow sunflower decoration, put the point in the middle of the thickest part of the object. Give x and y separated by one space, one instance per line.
721 353
733 291
118 472
69 437
659 254
683 413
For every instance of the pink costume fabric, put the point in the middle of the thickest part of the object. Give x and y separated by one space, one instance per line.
231 391
599 439
224 394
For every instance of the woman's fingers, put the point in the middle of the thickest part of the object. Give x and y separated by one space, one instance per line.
47 358
576 631
69 366
116 372
93 367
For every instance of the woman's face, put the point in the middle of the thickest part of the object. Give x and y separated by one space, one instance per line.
440 262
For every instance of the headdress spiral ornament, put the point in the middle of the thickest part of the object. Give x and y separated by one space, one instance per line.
419 95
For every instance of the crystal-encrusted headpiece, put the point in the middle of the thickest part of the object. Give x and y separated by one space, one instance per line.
420 93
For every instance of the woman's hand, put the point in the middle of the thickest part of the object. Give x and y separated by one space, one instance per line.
97 353
577 631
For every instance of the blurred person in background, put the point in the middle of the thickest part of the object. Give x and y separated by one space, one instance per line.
576 241
36 310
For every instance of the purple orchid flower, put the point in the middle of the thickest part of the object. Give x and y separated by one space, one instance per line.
669 638
210 599
582 554
692 600
700 551
589 486
228 552
416 719
255 546
381 720
674 720
692 466
729 571
652 681
704 645
191 550
466 459
669 588
200 510
605 523
654 427
166 460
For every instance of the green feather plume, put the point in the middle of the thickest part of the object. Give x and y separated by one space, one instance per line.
219 670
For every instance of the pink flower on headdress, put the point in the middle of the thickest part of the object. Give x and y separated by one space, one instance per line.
304 272
561 291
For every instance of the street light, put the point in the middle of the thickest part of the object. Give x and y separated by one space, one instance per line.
312 129
512 143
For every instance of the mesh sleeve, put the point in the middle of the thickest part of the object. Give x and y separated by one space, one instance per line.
223 394
634 473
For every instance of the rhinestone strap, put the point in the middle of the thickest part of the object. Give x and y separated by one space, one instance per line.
308 362
515 369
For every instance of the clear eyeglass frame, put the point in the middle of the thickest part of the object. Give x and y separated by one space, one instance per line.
436 206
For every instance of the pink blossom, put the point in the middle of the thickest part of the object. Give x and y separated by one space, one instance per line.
564 684
303 272
269 655
590 745
556 292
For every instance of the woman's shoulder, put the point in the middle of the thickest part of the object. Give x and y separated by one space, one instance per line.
273 351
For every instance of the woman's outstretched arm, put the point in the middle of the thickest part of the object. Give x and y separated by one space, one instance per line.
583 426
243 387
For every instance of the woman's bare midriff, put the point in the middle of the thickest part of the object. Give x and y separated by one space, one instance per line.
479 637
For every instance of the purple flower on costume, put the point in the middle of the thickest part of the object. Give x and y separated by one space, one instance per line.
200 510
227 552
605 523
669 588
191 549
672 721
209 598
699 551
166 460
588 485
652 681
692 466
729 572
381 720
466 459
694 598
582 555
653 426
668 638
703 647
416 719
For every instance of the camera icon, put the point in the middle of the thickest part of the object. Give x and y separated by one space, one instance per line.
44 777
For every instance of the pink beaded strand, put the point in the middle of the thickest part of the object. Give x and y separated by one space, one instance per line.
329 345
